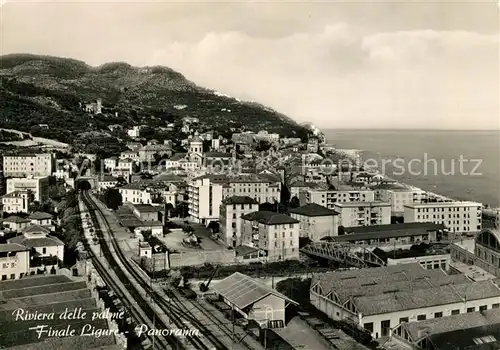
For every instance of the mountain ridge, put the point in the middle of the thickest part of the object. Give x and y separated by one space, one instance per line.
40 89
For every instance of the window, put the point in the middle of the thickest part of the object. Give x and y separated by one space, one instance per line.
4 277
483 307
438 314
495 306
44 250
455 312
385 326
403 319
471 309
12 276
368 326
421 318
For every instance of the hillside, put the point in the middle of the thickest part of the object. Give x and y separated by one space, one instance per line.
51 90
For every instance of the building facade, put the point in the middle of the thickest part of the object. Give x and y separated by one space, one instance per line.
459 217
352 214
328 198
39 186
205 196
23 165
231 211
316 221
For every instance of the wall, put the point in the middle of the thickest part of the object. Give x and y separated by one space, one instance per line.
425 261
269 308
53 250
317 227
17 265
199 258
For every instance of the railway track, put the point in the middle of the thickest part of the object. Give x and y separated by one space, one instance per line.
164 342
175 313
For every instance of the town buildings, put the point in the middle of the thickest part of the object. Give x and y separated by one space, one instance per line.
205 196
398 196
38 239
14 261
16 202
458 217
328 198
363 213
316 221
28 164
39 186
380 299
231 211
277 235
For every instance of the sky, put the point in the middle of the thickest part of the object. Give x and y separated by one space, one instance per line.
423 65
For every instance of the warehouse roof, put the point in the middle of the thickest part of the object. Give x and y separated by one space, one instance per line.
243 291
421 298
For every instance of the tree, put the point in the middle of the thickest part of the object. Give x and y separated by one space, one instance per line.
182 209
112 198
267 207
121 181
282 208
285 194
294 202
263 146
341 230
188 229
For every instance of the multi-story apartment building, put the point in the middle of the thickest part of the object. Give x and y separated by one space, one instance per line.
352 214
275 234
231 211
16 202
261 188
39 186
110 163
316 221
205 194
22 165
14 261
459 217
398 196
328 198
149 192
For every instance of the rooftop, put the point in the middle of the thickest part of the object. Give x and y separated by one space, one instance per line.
11 247
39 215
47 241
240 200
148 208
444 204
361 204
243 291
270 218
313 209
16 219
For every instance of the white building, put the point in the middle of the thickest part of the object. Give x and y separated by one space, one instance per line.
110 163
398 196
39 186
134 155
38 238
231 211
16 202
379 299
14 261
259 187
328 198
275 234
204 198
363 213
460 217
16 223
316 221
126 164
135 132
22 165
106 181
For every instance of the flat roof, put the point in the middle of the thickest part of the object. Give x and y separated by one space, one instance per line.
242 291
473 272
444 204
467 244
361 204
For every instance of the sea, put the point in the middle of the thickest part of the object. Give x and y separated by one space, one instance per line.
463 165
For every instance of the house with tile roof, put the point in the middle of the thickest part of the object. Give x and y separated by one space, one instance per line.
16 223
40 242
275 233
316 221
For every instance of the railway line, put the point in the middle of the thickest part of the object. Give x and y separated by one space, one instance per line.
176 312
163 342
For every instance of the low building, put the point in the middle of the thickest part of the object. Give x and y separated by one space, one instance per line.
353 214
316 221
253 300
473 331
459 217
431 261
380 299
463 251
231 211
276 234
41 218
487 251
14 261
16 223
38 238
106 181
393 234
148 213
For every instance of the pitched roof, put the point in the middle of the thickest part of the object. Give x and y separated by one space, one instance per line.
270 218
148 208
313 209
16 219
36 229
48 241
178 156
240 200
243 291
11 247
40 215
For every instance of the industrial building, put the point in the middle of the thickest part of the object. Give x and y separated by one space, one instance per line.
253 300
471 331
379 299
